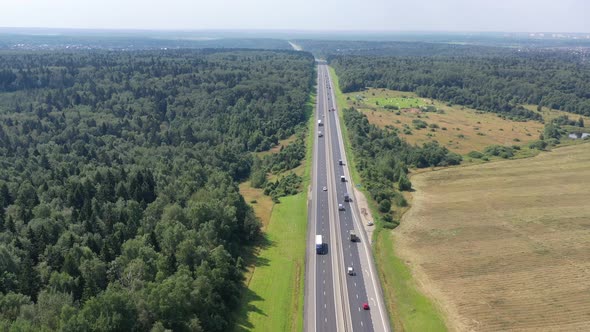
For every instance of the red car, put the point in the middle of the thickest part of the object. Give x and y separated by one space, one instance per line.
365 306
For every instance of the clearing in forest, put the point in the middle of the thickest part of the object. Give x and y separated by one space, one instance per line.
458 128
506 245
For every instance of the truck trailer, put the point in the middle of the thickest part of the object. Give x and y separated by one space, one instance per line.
319 244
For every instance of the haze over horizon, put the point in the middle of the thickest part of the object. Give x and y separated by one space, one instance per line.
306 15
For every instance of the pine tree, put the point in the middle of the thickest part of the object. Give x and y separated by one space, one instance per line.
29 281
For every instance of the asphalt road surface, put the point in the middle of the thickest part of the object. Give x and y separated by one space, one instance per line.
333 298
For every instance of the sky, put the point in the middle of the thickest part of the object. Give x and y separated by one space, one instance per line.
312 15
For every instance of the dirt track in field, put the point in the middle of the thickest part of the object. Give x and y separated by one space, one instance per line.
506 245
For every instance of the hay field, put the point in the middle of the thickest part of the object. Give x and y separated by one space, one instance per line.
504 246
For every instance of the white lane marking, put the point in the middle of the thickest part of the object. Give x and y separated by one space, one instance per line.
324 293
357 296
359 309
355 284
362 323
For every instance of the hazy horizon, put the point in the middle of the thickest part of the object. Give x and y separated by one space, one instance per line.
422 16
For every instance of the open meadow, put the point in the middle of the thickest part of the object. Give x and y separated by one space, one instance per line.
506 245
460 129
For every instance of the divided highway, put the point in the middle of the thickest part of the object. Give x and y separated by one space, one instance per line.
334 298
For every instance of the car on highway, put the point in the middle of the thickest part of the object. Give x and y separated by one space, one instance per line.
350 271
340 207
370 223
320 134
325 189
365 306
342 178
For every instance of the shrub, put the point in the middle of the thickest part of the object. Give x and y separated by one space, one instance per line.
475 154
539 145
404 183
400 200
419 124
384 206
389 225
500 151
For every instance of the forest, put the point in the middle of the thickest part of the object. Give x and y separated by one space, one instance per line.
120 209
499 84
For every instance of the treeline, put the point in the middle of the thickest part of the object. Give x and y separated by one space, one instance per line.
32 40
119 208
382 159
331 48
499 84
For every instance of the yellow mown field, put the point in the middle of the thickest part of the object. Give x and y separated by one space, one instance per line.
504 246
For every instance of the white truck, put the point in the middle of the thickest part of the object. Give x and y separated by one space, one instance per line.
319 244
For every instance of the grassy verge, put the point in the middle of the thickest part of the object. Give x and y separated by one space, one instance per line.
341 101
408 309
273 299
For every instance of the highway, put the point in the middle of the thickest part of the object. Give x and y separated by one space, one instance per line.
333 299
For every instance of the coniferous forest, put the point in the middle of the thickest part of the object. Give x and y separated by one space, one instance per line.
118 182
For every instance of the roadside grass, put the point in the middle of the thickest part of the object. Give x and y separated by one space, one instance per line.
412 310
274 282
273 300
407 308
